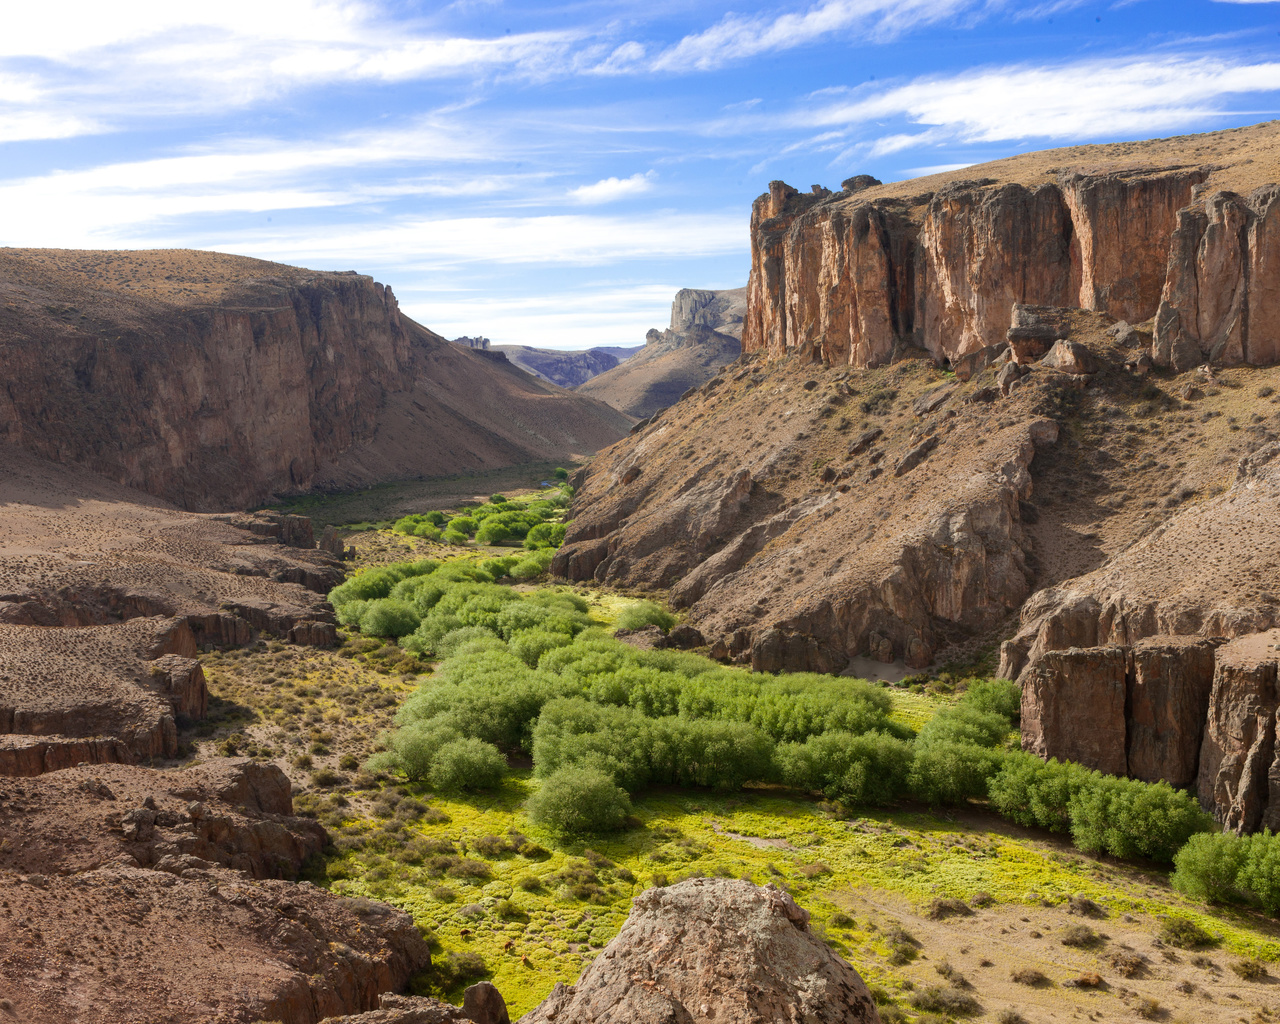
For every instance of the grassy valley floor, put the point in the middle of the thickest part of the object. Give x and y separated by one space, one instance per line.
949 914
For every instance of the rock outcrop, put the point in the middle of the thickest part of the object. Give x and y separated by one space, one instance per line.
1221 298
797 546
159 895
258 379
712 950
850 278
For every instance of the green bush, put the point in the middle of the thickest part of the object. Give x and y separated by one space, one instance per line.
645 613
492 533
545 535
561 473
466 764
871 769
1226 868
1122 817
579 800
994 696
388 617
533 564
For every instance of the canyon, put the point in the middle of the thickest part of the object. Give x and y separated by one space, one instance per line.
1030 402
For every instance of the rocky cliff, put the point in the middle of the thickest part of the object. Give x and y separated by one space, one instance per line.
703 335
853 277
253 379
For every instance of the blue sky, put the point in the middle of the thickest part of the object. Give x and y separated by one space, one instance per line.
550 173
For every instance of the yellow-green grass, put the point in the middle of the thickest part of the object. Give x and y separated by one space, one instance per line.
766 835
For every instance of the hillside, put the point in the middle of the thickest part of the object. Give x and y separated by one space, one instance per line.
704 334
219 381
970 468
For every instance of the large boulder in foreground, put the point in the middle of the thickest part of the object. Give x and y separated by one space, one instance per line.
713 949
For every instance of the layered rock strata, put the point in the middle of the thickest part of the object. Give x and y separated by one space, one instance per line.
138 895
713 950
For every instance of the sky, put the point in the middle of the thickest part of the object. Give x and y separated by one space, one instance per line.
549 174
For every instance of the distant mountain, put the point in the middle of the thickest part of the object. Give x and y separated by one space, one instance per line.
568 369
705 333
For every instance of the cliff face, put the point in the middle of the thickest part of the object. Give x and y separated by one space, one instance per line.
849 280
222 398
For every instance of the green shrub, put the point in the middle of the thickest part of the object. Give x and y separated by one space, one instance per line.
1185 934
533 564
561 473
871 769
952 772
492 533
466 764
579 800
1226 868
389 617
994 696
545 535
645 613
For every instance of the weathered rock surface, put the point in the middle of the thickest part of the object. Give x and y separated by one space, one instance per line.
1137 711
712 950
218 381
482 1004
131 945
939 263
135 895
235 814
1221 297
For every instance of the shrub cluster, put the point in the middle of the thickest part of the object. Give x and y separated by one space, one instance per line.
424 601
498 521
1103 813
1227 868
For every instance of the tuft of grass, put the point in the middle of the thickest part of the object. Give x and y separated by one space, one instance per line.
1079 935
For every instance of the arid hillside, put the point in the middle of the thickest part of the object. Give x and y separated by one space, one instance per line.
218 381
704 334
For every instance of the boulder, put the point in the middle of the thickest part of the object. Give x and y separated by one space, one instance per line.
713 949
1070 357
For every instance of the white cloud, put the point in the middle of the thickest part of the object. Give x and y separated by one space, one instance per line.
610 189
1116 97
738 37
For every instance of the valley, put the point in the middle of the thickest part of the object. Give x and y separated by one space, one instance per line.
894 638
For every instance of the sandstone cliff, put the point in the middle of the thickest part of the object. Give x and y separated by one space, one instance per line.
936 264
218 381
703 335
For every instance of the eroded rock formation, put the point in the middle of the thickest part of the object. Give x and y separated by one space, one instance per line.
704 334
156 895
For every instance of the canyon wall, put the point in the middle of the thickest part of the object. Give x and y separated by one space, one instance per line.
272 380
850 281
212 406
